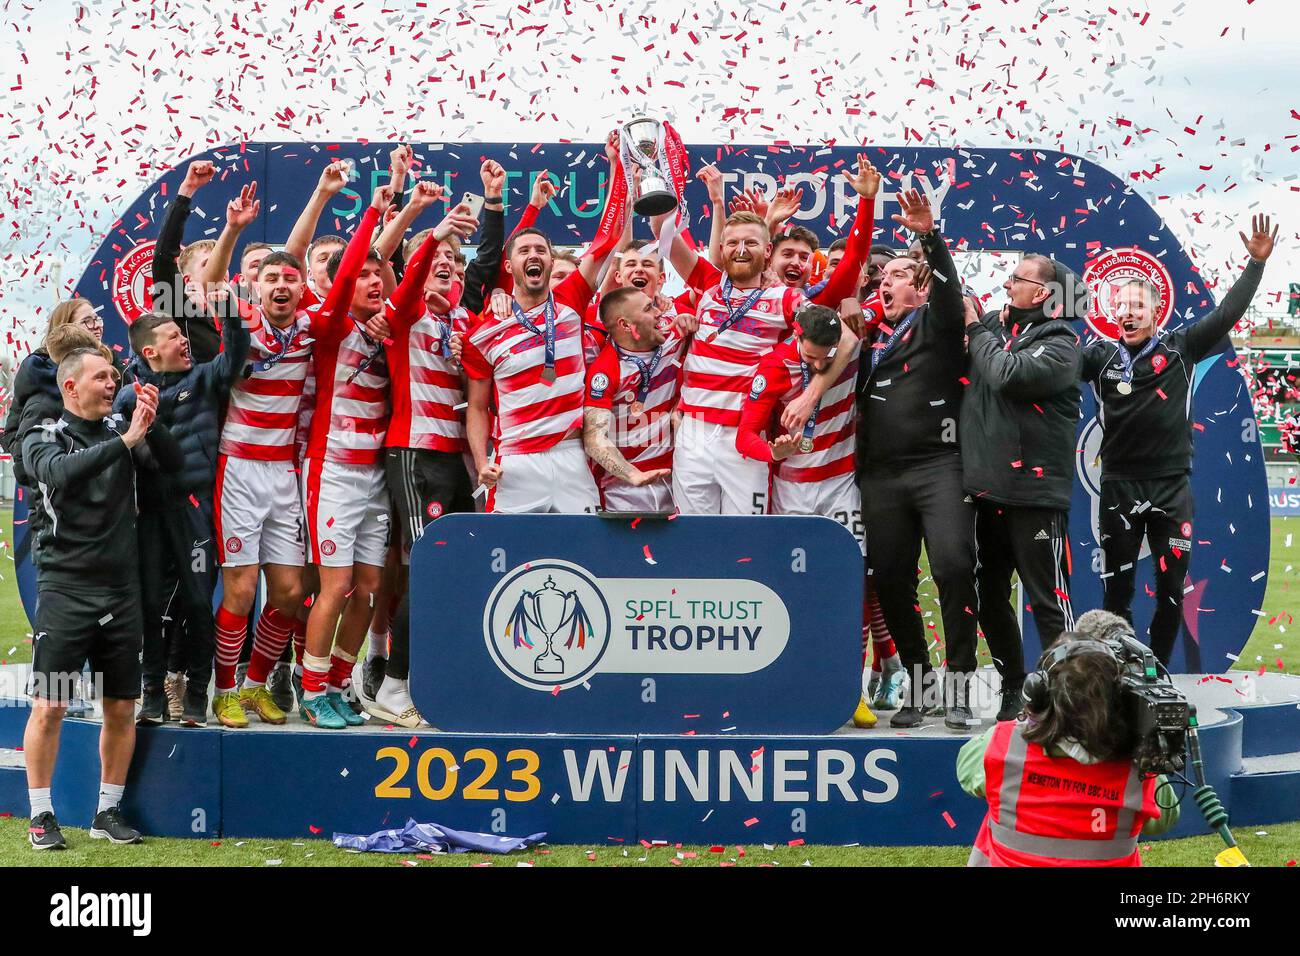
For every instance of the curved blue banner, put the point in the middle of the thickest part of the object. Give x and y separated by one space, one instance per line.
988 201
577 624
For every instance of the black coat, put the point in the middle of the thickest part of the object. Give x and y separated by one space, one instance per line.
189 405
1021 411
89 479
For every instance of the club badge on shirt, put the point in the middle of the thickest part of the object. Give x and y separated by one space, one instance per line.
599 385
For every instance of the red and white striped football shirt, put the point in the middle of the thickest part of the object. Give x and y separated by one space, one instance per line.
778 382
720 365
613 383
350 417
533 415
262 415
427 384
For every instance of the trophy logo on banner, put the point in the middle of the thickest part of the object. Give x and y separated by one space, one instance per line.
549 610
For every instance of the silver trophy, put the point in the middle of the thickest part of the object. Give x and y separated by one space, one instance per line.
550 610
643 155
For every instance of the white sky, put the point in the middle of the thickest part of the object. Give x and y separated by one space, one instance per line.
98 97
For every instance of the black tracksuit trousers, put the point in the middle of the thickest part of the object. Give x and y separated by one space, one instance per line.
903 506
1159 509
178 545
1034 543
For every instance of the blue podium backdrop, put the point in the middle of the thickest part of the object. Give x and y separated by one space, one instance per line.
578 624
995 201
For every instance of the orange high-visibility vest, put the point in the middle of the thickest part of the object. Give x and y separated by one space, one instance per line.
1056 811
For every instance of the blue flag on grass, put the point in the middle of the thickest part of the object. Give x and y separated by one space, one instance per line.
433 838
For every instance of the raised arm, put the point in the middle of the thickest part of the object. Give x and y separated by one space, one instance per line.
844 280
172 235
712 179
482 272
543 191
332 179
698 273
339 298
239 213
408 301
612 219
390 240
946 301
1209 331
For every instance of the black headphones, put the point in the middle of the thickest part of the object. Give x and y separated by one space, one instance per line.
1035 689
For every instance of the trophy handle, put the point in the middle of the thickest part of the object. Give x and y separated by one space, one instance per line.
528 600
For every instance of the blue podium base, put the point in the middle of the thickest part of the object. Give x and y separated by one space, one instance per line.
877 787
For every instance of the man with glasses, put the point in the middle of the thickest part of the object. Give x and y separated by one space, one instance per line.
1023 402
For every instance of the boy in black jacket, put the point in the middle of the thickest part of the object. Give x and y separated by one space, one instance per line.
1023 403
176 528
88 608
1143 385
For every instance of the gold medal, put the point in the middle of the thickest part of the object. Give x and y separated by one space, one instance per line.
638 409
805 444
1124 388
548 374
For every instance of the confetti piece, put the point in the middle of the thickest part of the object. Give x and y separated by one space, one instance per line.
649 559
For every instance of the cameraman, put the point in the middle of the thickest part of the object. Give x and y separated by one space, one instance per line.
1061 785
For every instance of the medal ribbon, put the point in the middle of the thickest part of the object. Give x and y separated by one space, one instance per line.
284 341
549 334
811 424
878 354
1128 361
376 350
647 370
735 316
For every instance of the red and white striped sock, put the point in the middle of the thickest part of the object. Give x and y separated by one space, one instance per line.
341 664
272 634
315 670
231 629
882 642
